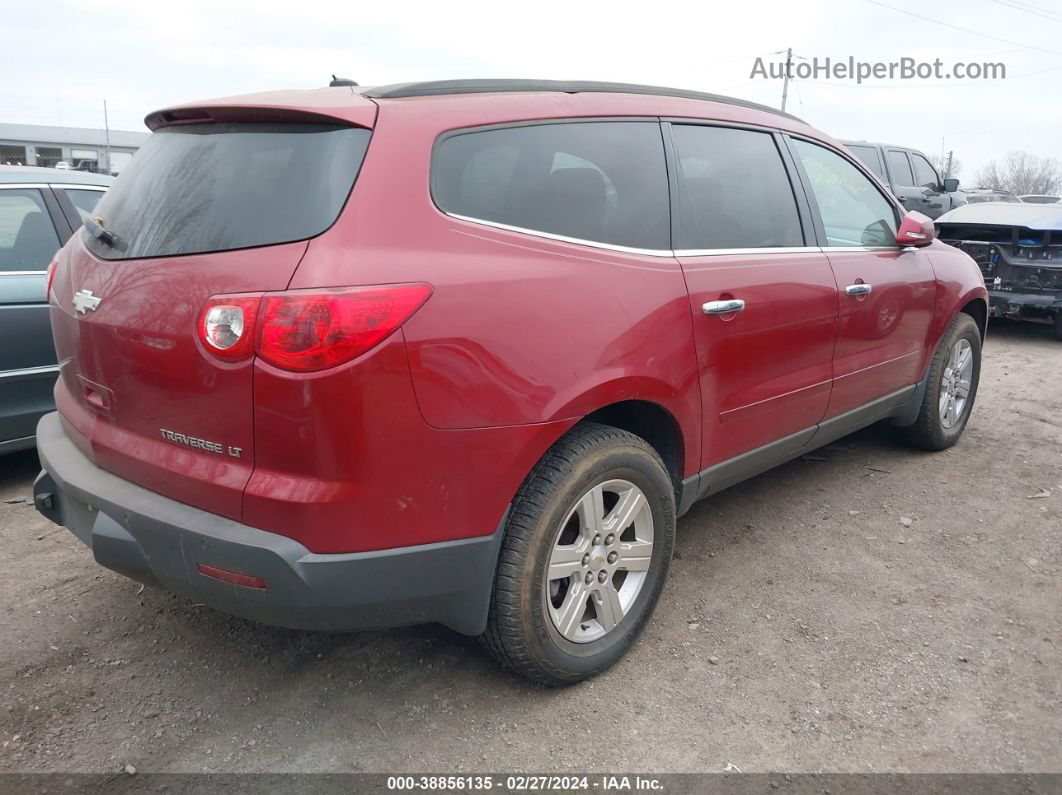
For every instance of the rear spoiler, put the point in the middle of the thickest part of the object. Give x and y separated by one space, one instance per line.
324 106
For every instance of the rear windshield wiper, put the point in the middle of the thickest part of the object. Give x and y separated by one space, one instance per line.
95 228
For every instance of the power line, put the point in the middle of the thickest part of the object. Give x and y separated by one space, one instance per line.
964 30
1038 13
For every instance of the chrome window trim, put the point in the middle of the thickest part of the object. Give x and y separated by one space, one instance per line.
23 273
648 252
72 186
827 249
716 252
653 252
63 185
28 372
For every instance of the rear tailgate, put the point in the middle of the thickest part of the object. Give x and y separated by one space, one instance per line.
208 208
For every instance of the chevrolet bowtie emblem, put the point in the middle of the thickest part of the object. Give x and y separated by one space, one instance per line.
85 301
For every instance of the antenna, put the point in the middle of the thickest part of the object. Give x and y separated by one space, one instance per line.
341 81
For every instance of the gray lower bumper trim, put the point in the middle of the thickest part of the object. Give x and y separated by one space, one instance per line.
158 541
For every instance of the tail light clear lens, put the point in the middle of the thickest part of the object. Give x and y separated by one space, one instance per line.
226 326
307 330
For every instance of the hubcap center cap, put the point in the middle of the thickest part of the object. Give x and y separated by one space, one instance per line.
598 558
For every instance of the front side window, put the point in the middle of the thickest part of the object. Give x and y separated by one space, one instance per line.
603 182
924 174
853 211
734 190
27 236
900 168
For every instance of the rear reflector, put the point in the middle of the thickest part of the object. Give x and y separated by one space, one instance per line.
231 577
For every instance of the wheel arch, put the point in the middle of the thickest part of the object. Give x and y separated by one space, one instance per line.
653 423
977 308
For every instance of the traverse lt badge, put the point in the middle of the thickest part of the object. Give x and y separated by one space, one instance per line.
85 301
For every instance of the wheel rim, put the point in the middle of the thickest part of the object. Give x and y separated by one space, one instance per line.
599 561
955 384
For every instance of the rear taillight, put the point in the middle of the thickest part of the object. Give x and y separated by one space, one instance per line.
307 330
314 330
226 326
50 277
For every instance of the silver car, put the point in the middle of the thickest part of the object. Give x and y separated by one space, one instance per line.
39 209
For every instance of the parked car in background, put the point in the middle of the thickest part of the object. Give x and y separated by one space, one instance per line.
1039 198
986 195
910 176
39 209
471 372
1018 248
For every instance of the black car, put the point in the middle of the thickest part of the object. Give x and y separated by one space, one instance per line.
39 209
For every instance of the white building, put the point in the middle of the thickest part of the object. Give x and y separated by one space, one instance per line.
80 148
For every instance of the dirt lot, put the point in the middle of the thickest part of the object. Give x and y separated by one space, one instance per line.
874 610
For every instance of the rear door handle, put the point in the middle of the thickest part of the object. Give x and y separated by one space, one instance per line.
723 307
858 289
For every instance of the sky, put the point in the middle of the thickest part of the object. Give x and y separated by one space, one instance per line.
62 59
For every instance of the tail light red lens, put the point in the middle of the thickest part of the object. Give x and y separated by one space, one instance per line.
226 326
307 330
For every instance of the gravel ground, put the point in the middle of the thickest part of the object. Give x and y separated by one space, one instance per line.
867 608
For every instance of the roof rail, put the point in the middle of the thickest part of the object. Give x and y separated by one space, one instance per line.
445 87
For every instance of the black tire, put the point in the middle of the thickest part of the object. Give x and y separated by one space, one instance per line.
928 431
520 632
1058 326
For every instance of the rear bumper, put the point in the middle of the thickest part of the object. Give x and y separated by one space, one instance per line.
161 542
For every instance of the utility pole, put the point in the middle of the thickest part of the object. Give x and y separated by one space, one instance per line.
947 165
107 134
785 80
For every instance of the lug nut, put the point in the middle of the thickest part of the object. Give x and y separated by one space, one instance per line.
586 559
589 577
597 541
613 557
609 539
602 576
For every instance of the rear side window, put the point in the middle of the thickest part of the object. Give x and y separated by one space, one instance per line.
602 182
216 187
870 157
853 211
734 191
27 236
900 167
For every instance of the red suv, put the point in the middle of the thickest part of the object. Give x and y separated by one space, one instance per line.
463 351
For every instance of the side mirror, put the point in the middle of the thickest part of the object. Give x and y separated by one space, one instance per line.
915 230
951 185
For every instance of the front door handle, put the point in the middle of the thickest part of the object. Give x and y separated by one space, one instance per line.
858 289
723 307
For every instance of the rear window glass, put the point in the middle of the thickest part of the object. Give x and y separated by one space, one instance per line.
602 182
216 187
